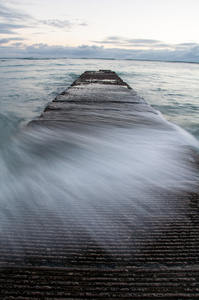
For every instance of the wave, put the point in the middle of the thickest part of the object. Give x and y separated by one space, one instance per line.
51 171
9 125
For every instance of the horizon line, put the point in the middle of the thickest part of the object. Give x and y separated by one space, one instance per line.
97 58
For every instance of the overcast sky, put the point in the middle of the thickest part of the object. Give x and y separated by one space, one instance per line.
129 29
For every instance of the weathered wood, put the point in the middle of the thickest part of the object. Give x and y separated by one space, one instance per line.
120 254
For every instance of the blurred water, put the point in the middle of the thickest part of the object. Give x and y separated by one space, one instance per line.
96 173
26 86
43 169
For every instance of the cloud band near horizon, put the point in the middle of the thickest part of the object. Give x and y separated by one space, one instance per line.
182 52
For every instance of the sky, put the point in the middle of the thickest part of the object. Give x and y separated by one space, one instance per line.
125 29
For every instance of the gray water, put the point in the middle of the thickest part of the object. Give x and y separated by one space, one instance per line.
41 167
27 86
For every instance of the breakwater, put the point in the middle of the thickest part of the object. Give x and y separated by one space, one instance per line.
115 214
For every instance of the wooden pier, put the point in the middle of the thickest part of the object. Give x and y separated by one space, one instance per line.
154 257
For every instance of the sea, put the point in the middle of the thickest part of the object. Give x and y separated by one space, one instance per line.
39 167
28 85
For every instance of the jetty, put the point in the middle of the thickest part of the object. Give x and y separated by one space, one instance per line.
143 244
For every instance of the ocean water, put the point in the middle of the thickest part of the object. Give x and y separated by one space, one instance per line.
28 85
41 167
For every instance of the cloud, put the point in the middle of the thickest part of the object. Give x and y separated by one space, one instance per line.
65 24
57 23
8 28
5 41
4 30
150 49
11 20
83 24
188 44
45 50
188 53
11 15
126 42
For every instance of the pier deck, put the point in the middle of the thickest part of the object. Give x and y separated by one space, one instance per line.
106 247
